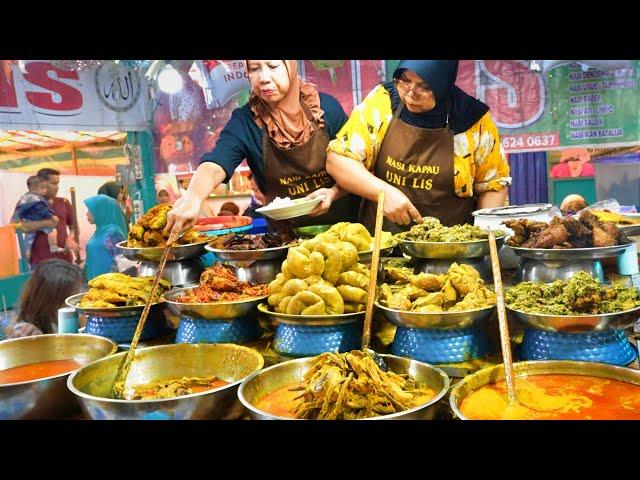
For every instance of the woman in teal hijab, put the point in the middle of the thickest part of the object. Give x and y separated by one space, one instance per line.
105 213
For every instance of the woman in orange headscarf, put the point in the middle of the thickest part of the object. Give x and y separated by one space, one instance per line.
283 132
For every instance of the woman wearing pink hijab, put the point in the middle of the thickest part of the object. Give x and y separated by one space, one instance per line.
283 132
574 162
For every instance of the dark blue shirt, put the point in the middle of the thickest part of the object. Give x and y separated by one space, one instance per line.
32 207
241 138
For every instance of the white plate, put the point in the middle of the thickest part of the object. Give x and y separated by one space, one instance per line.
282 212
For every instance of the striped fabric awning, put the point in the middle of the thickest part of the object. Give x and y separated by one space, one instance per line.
73 153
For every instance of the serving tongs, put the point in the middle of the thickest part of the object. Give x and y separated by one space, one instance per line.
117 388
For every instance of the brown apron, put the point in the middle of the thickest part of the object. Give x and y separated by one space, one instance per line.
297 172
419 163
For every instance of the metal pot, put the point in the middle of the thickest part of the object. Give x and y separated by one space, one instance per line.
232 363
46 397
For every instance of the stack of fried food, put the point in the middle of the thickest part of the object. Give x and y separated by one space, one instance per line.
618 219
354 233
459 290
580 295
234 241
431 230
148 232
566 232
219 284
118 290
344 386
322 276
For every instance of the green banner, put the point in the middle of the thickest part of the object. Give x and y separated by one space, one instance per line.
582 108
564 107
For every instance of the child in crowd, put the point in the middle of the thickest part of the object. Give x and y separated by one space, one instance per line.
32 207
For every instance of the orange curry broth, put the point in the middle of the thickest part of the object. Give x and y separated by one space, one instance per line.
281 402
35 371
561 397
214 384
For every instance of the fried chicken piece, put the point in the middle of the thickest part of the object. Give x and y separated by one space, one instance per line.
154 238
220 278
464 278
524 230
602 239
548 238
428 281
136 232
612 229
399 274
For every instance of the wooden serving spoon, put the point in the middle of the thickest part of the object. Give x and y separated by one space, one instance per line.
373 278
117 388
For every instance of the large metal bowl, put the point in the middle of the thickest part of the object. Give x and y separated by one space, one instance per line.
255 387
447 250
495 374
311 231
442 320
318 320
366 255
232 363
126 311
209 311
577 323
46 397
154 254
251 255
570 254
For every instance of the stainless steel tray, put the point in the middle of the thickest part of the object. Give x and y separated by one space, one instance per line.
448 250
209 311
569 254
153 254
577 323
365 256
73 301
441 320
310 319
251 255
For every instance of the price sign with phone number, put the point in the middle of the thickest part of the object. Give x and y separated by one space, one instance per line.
528 141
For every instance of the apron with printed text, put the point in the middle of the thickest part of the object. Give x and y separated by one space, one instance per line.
419 163
297 172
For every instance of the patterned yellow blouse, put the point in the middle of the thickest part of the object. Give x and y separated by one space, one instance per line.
478 166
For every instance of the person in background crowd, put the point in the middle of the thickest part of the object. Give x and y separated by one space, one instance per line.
62 209
51 283
229 209
119 193
283 133
105 213
163 196
572 204
33 206
433 149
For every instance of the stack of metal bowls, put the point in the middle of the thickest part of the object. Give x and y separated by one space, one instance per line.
254 266
182 268
260 384
549 264
46 397
304 335
119 323
443 337
232 363
217 322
